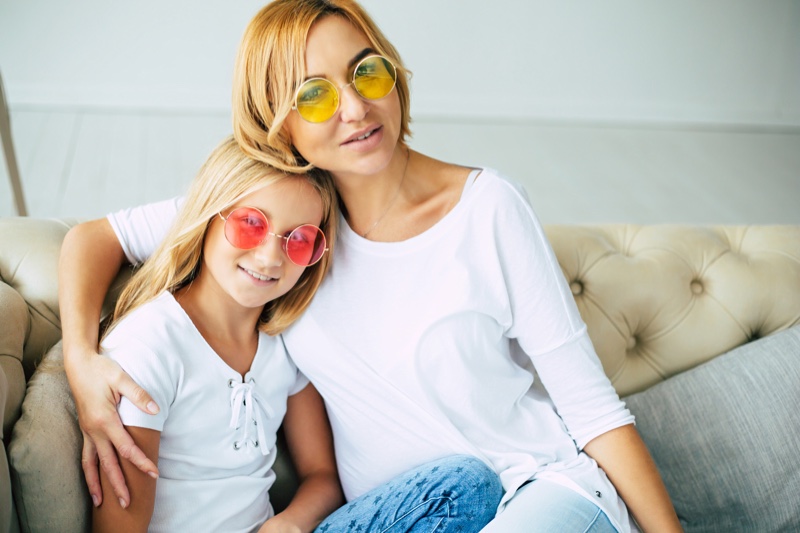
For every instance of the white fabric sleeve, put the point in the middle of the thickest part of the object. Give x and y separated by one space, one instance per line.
549 328
149 370
300 383
141 229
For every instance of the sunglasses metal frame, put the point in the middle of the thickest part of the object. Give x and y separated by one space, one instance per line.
284 238
339 89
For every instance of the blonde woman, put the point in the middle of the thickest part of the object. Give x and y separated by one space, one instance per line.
446 327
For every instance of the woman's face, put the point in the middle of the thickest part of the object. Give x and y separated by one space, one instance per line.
251 278
361 137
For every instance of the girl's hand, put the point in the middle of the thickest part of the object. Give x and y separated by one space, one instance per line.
97 384
277 525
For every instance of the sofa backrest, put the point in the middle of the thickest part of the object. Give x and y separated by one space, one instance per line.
661 299
657 300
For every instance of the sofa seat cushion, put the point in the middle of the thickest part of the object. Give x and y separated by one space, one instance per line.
45 453
724 437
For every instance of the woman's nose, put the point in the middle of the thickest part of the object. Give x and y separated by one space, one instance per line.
351 105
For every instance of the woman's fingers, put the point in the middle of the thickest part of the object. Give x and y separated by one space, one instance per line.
137 395
100 385
110 465
90 471
127 449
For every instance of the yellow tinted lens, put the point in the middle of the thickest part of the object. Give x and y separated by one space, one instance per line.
317 100
374 77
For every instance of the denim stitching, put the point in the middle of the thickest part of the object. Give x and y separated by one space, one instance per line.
594 521
417 507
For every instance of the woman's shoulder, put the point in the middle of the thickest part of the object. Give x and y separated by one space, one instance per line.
460 179
493 188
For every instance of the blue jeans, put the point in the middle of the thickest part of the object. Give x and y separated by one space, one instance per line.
542 506
458 494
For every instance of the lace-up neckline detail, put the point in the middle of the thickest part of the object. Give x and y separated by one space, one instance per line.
256 411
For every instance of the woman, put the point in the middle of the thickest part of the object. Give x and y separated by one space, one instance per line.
445 326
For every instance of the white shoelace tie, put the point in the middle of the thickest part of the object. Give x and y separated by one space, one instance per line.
255 408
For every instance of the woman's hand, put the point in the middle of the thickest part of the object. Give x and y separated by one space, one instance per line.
97 384
90 258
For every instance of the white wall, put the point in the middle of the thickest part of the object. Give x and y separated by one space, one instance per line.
718 61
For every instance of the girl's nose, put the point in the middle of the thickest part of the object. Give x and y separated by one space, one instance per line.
270 252
352 106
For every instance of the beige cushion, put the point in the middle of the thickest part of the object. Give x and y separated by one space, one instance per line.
661 299
45 452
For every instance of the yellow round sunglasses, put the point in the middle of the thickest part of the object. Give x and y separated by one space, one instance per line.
317 99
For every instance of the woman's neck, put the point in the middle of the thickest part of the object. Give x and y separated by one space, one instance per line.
368 199
402 201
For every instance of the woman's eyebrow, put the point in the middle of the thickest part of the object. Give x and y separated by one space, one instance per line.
356 58
361 55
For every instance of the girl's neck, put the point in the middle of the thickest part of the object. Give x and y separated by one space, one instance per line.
230 330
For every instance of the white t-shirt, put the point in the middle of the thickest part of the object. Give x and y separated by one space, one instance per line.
427 347
218 429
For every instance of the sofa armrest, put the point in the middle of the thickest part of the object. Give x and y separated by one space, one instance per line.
30 323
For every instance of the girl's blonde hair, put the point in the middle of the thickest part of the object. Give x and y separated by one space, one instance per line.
270 65
225 178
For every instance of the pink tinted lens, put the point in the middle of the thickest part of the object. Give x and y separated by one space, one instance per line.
246 228
305 245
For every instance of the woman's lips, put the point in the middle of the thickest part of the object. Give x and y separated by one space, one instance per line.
366 140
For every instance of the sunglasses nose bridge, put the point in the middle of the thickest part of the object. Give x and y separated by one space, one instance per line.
352 104
267 252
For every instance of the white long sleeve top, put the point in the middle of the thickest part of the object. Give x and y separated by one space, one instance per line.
463 339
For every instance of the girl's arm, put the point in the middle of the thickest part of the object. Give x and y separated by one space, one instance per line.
119 517
623 456
90 258
308 436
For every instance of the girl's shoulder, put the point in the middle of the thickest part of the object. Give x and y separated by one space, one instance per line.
152 323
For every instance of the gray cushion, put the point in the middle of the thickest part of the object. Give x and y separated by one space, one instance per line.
45 454
724 436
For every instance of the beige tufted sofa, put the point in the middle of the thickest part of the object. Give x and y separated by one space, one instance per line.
658 301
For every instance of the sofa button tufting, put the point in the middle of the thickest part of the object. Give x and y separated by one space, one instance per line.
632 342
697 286
576 287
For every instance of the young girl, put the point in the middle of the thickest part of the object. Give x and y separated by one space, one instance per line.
447 328
199 326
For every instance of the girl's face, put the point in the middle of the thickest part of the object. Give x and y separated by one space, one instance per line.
251 278
361 137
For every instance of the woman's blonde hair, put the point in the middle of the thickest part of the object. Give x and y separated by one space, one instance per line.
270 66
225 178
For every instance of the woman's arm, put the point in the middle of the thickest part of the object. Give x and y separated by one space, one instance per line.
136 517
623 456
308 436
90 258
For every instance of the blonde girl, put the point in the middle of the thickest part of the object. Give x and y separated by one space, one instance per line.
200 323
